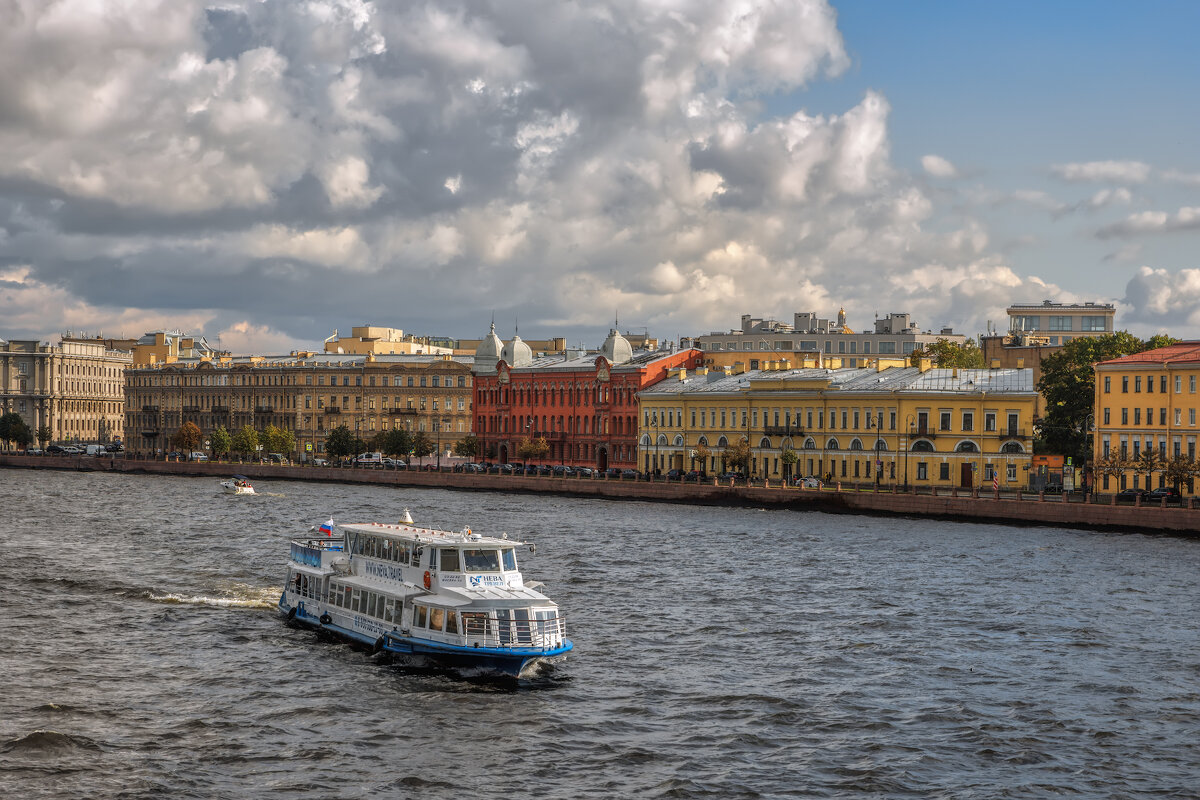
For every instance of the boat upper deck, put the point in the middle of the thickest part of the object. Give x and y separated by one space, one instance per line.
430 536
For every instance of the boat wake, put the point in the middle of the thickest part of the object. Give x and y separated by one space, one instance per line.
240 596
47 742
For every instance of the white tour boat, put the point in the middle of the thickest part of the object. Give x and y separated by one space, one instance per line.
436 597
238 484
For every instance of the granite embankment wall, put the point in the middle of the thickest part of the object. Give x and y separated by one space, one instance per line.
1100 514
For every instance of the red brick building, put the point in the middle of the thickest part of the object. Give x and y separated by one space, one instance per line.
584 404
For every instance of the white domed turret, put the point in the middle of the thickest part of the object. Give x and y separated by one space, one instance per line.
516 353
488 353
616 348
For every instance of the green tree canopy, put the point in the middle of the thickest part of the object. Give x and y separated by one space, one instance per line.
422 445
221 441
467 446
245 440
278 440
945 353
1068 384
396 443
13 428
340 442
43 434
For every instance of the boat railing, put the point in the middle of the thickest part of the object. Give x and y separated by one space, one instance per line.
482 631
308 551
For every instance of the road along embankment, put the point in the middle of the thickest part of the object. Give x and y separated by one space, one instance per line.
1100 513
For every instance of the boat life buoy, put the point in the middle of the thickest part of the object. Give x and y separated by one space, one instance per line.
428 582
326 619
291 613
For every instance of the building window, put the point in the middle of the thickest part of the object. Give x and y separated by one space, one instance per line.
1178 384
1137 416
1106 416
1191 416
1125 383
989 421
1124 416
1191 384
944 471
1026 324
1162 416
1137 383
945 421
968 421
1178 416
887 348
1092 323
1060 323
922 471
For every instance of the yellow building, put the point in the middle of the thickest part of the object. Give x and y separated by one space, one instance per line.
163 347
748 360
1147 401
382 341
894 425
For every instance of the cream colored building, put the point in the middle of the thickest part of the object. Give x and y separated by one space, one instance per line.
382 341
897 425
75 389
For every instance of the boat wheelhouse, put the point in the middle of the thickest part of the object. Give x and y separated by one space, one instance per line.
453 599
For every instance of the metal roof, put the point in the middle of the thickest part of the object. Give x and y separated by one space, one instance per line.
893 379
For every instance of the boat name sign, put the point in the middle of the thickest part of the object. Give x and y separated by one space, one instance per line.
385 571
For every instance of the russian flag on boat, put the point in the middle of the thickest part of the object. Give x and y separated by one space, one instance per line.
327 528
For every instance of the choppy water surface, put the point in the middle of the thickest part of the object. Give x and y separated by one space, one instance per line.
720 653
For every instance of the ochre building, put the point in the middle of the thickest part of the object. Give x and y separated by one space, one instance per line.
308 394
899 425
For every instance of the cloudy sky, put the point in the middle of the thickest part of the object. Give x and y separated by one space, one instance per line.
265 171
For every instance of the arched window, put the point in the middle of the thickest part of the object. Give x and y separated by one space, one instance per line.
662 440
809 444
856 444
765 443
645 440
880 445
922 446
1012 447
703 441
832 444
967 447
722 442
678 441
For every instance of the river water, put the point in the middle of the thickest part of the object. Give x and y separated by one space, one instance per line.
720 653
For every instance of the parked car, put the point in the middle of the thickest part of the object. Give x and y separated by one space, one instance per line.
585 472
115 447
674 474
693 475
56 449
809 482
320 462
72 450
630 474
199 456
612 472
33 451
1164 493
563 471
1132 494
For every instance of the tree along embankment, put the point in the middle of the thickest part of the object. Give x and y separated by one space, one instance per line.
1099 512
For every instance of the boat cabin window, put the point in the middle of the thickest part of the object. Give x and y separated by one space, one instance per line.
510 559
451 622
436 617
481 560
419 616
416 555
449 560
433 558
356 601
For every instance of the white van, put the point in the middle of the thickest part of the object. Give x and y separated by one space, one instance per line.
369 459
94 450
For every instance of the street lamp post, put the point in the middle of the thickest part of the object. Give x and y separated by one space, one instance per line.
654 427
437 423
909 421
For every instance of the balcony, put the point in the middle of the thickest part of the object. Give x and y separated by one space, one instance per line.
922 430
1011 433
332 410
783 430
191 409
219 409
264 409
399 412
151 409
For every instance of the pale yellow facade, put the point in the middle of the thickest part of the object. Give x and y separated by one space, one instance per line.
898 425
382 341
1147 401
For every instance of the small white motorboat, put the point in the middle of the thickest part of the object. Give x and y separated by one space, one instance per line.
238 484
